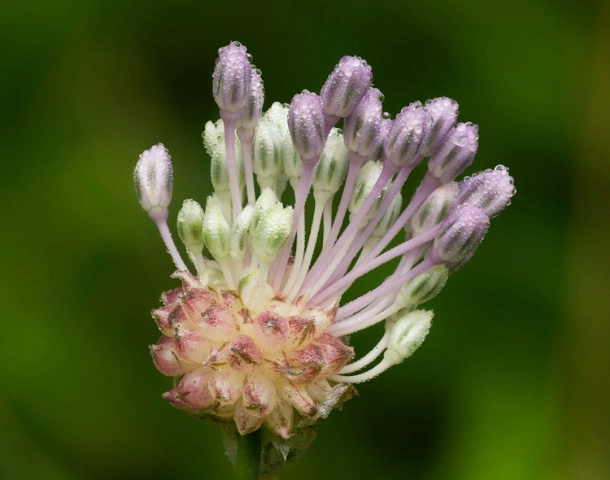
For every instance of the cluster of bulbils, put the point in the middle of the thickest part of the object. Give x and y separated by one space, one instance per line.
258 335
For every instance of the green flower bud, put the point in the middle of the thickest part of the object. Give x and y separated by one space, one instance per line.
239 233
267 153
435 208
216 232
389 217
190 223
269 234
214 142
367 176
333 164
423 287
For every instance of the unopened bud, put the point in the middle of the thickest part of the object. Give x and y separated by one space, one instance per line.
435 208
307 125
409 131
214 142
232 78
267 153
367 177
389 217
423 287
278 114
460 234
384 129
332 168
239 233
216 232
491 190
346 86
251 112
407 334
456 153
443 112
271 232
363 124
190 223
153 178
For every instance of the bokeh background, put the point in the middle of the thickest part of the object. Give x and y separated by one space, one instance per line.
513 380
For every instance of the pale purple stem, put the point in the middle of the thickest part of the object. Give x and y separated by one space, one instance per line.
385 288
229 121
428 185
321 264
401 178
355 163
368 265
279 266
246 137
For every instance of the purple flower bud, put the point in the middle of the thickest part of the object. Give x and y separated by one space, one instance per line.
346 86
459 235
443 112
232 78
153 177
251 112
307 126
361 127
456 153
409 131
491 190
384 129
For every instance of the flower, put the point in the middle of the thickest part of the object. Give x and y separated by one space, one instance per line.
258 334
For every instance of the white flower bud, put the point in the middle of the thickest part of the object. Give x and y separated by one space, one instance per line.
408 333
216 232
153 178
190 223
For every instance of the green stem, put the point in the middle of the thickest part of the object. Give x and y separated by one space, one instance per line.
248 461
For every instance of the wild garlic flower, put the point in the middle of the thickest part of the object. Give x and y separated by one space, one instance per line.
257 333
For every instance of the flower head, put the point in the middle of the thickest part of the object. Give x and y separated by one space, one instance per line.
257 333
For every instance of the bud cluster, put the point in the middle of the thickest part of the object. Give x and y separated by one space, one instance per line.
257 335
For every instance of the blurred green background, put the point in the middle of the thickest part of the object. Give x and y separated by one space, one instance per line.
513 380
